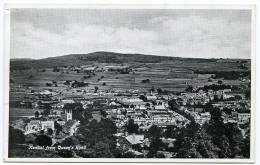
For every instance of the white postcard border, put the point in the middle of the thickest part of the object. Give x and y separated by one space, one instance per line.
128 6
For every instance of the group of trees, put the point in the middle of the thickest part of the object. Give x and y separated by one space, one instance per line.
146 81
98 136
17 139
131 127
77 84
55 69
227 75
212 140
216 87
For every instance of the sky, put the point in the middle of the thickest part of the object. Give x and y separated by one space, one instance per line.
196 33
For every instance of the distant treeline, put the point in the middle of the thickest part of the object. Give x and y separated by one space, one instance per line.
227 75
216 87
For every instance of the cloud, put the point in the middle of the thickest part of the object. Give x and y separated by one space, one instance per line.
189 36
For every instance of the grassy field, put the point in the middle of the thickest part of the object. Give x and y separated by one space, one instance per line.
22 112
169 75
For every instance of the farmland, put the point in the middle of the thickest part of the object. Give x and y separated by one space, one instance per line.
170 74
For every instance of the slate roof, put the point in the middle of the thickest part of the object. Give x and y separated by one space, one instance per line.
135 139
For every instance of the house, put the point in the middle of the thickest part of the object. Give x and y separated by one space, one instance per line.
160 107
33 126
47 125
123 144
61 122
205 116
89 69
243 117
67 101
135 139
45 92
150 98
135 102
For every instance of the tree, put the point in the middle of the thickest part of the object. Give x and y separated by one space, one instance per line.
154 132
102 150
55 69
103 113
152 89
47 109
171 131
189 88
58 127
204 145
248 94
49 131
159 90
96 89
67 82
128 155
235 139
43 140
156 144
245 148
132 106
146 81
132 127
11 80
220 82
142 97
70 141
217 130
36 114
173 104
48 84
159 155
104 84
16 136
65 153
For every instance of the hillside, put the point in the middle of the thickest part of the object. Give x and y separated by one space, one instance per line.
81 59
96 57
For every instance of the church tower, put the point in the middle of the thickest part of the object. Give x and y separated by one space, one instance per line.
68 114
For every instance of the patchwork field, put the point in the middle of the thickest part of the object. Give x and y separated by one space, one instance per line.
173 76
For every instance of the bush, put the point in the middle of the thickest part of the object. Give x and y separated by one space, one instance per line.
48 84
146 81
16 136
43 140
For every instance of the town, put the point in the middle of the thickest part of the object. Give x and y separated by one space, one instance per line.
107 119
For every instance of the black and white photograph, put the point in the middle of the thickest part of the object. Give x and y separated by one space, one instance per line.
140 83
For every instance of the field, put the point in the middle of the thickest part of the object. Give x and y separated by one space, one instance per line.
168 75
15 113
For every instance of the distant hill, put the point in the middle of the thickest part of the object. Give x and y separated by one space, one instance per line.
81 59
97 57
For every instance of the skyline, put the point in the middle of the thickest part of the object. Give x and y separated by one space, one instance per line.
188 33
